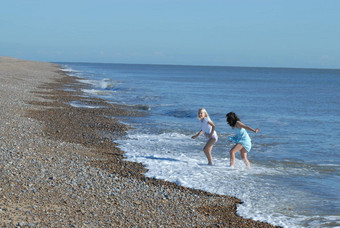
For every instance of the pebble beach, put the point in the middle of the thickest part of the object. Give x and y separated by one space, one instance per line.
60 166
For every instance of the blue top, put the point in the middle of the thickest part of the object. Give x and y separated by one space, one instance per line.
242 137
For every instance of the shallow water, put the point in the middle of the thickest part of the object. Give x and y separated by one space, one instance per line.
295 176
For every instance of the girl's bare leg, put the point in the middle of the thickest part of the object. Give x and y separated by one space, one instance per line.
244 157
207 150
233 151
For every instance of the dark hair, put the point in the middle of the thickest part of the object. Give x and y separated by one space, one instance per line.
232 118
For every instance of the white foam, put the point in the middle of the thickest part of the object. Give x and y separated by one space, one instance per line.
98 92
69 70
104 84
177 158
87 81
81 105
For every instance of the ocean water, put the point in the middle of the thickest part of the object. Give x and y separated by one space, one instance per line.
294 180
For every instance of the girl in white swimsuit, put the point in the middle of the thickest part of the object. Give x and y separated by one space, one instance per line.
208 129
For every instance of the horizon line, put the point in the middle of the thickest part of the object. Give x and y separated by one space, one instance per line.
193 65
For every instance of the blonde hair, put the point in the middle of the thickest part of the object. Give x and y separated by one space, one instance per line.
204 111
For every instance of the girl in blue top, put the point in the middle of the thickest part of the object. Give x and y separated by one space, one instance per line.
208 129
242 139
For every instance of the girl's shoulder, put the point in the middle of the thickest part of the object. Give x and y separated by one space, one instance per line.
239 124
207 119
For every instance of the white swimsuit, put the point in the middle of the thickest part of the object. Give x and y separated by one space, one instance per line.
206 128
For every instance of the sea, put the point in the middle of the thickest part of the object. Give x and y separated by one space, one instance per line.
294 179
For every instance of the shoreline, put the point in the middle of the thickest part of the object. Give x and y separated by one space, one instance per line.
68 171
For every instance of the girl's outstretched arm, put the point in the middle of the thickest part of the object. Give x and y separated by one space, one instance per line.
242 125
198 134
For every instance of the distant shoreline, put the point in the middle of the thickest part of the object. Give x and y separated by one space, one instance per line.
216 66
60 165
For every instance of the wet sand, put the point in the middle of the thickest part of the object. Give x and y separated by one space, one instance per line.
59 165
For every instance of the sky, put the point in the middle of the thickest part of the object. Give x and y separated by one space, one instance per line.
260 33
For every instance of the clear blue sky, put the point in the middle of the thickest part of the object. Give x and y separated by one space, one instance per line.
270 33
